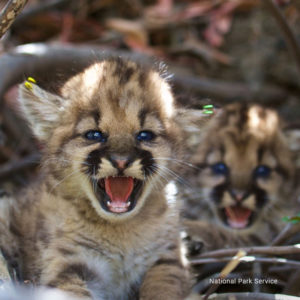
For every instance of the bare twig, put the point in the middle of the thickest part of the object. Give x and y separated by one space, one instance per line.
201 50
266 250
251 259
251 296
9 14
292 286
280 269
233 263
287 32
257 273
12 167
287 232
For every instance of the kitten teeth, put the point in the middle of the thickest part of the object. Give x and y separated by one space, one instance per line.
109 203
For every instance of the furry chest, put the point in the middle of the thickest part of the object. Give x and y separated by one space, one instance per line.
120 275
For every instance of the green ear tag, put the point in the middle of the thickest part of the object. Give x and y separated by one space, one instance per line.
208 112
208 109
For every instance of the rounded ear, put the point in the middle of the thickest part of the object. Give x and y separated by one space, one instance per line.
194 121
191 120
41 109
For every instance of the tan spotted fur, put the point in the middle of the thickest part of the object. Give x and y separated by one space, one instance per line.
63 237
243 137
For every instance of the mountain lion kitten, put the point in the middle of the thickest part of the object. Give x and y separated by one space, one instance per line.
97 223
244 183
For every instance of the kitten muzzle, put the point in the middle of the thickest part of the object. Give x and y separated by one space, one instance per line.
238 217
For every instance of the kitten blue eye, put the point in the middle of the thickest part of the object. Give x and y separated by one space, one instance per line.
220 169
262 171
95 135
145 136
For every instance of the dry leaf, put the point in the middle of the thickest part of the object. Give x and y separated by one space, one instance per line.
134 32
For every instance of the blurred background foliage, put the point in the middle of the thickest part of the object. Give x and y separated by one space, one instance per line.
236 41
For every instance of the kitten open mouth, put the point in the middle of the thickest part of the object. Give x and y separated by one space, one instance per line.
237 217
119 194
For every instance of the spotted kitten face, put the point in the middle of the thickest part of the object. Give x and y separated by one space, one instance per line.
245 165
106 134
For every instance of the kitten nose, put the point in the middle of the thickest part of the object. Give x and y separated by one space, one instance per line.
238 195
119 162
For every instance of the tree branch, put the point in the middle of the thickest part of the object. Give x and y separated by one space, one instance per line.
230 91
251 296
14 166
292 286
247 259
287 32
9 14
266 250
35 59
288 231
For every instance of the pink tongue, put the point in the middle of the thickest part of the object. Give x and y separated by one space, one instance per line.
238 217
119 188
